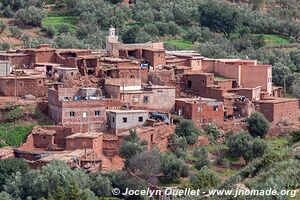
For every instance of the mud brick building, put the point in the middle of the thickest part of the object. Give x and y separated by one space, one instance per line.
24 84
151 53
120 120
91 140
279 110
149 97
50 137
83 109
203 84
200 110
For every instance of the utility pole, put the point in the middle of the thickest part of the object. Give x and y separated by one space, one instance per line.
284 85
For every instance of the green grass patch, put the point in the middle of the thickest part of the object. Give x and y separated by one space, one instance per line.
271 39
56 21
221 78
180 44
279 145
12 134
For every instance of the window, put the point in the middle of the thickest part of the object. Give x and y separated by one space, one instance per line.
135 99
189 84
40 82
216 108
124 119
97 113
72 114
72 73
113 119
199 109
84 114
146 99
141 119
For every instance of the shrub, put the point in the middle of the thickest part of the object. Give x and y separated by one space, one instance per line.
201 155
187 129
15 31
245 146
205 179
173 168
258 125
31 16
50 31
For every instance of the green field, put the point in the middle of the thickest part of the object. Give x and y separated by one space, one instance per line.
58 20
278 144
180 44
12 134
274 39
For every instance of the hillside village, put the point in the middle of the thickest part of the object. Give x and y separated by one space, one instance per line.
144 114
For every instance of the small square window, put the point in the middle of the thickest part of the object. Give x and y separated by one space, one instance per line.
216 108
72 114
97 113
84 114
124 119
141 119
199 109
146 99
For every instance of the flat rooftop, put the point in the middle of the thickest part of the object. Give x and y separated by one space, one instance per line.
276 100
127 111
85 135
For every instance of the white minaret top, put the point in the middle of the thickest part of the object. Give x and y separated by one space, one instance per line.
112 31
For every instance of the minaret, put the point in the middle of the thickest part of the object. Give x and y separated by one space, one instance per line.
111 38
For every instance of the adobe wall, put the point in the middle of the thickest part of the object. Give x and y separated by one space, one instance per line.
85 143
124 81
112 91
208 66
34 86
225 85
200 114
47 56
260 75
252 94
156 99
229 71
162 77
155 58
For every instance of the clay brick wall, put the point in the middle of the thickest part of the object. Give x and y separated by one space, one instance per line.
279 112
201 113
155 58
229 71
225 85
260 75
252 94
47 56
85 143
156 99
162 77
24 86
124 81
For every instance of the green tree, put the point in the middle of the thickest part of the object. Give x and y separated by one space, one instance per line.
245 146
187 129
219 17
101 186
201 155
2 27
10 166
31 16
173 168
205 179
258 125
147 164
15 31
131 146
